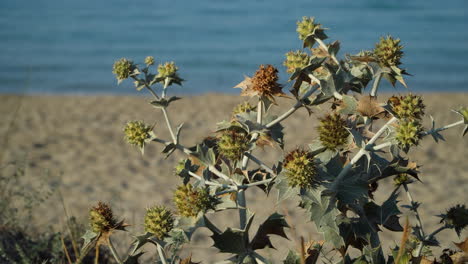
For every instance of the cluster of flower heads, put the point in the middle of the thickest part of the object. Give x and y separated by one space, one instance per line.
409 109
166 72
190 201
332 132
301 169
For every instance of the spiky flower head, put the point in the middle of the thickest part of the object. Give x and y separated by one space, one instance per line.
137 132
408 107
167 70
456 217
300 168
123 69
101 218
242 108
232 143
408 133
389 51
402 178
149 60
265 81
159 221
332 131
190 201
307 27
296 60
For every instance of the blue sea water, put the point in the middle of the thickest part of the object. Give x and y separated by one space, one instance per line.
69 46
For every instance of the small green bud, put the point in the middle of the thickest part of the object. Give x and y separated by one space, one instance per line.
408 133
300 168
389 51
190 201
296 60
101 218
123 69
307 27
242 108
159 221
332 132
456 217
149 60
137 132
408 107
167 70
233 143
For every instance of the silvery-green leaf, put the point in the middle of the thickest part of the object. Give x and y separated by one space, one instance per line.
273 225
349 105
89 237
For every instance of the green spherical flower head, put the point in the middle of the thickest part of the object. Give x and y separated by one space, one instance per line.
101 218
307 27
243 107
389 51
123 68
456 217
296 60
159 221
408 107
233 143
149 60
408 133
167 70
136 132
401 179
190 201
300 168
332 132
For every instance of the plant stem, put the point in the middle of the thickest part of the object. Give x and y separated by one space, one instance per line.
429 237
432 131
162 256
361 153
208 182
375 86
325 47
259 162
293 109
418 218
148 87
113 251
169 126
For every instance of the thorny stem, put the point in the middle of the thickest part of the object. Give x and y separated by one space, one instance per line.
147 87
162 256
429 237
293 109
259 162
363 151
415 209
113 251
375 86
432 131
208 182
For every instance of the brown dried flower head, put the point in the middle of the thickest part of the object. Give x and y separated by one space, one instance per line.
263 84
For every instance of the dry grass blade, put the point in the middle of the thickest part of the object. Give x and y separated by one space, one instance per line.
404 239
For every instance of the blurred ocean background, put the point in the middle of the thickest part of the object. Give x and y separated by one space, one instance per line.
64 46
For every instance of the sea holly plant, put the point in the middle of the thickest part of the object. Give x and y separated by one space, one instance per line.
361 141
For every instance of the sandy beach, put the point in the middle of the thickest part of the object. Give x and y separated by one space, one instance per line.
79 141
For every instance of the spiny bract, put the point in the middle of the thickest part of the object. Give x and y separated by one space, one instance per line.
332 131
296 60
408 133
456 217
307 27
190 201
167 70
232 143
389 51
158 221
300 168
265 81
101 218
123 68
408 107
136 132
